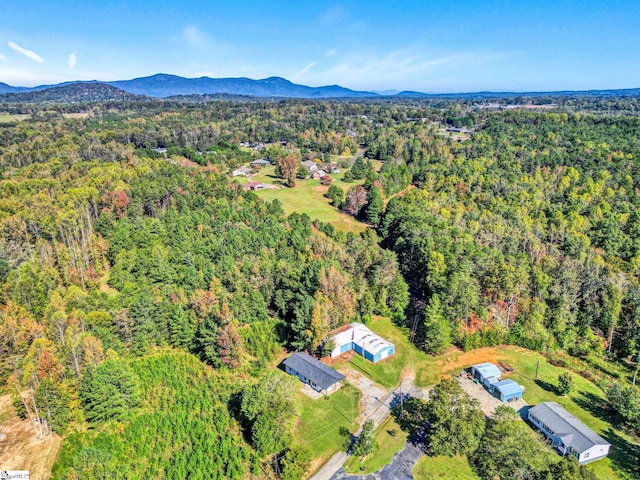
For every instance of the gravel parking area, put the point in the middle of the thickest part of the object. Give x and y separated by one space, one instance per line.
488 403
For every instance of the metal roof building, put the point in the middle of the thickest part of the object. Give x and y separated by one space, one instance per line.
312 372
568 434
356 336
485 370
507 390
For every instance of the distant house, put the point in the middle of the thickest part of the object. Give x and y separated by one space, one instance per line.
160 150
262 162
241 172
253 186
311 165
356 336
568 434
486 373
314 373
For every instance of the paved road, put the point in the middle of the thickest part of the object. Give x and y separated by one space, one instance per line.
399 468
377 404
331 467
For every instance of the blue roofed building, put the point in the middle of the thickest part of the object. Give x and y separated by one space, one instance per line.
507 390
484 371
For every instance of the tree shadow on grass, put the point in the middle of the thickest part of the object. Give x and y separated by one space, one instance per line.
595 405
624 455
549 387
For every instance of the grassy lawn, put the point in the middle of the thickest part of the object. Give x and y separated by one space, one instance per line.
388 444
388 372
322 420
8 117
307 197
449 468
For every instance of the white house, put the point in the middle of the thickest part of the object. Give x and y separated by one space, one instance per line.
568 434
241 172
356 336
311 165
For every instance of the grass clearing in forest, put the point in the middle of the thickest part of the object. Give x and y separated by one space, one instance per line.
388 372
321 422
306 197
586 401
444 468
13 117
390 438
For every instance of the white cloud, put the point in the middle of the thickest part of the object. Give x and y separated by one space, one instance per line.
194 37
307 67
407 68
27 53
72 60
2 57
331 52
333 15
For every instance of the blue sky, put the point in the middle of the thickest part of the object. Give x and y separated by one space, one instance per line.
430 46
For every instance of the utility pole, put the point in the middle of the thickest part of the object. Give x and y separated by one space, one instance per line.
276 466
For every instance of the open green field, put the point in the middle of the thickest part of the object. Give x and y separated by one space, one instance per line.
322 420
407 358
307 197
441 468
13 117
390 441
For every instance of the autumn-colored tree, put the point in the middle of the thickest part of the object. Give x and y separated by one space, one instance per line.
287 167
355 200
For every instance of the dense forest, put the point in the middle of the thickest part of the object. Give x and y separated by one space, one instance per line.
145 295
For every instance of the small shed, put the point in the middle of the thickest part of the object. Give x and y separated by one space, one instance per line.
507 390
485 370
489 382
314 373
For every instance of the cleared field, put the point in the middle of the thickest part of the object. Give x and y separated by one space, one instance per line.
449 468
390 440
307 197
321 422
76 115
586 401
13 117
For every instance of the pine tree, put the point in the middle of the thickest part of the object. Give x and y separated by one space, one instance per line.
437 332
366 443
375 206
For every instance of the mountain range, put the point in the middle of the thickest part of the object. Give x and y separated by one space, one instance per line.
165 86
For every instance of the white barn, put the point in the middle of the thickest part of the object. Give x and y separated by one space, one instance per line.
356 336
568 434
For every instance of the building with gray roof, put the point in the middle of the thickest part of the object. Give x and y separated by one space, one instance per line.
314 373
568 434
